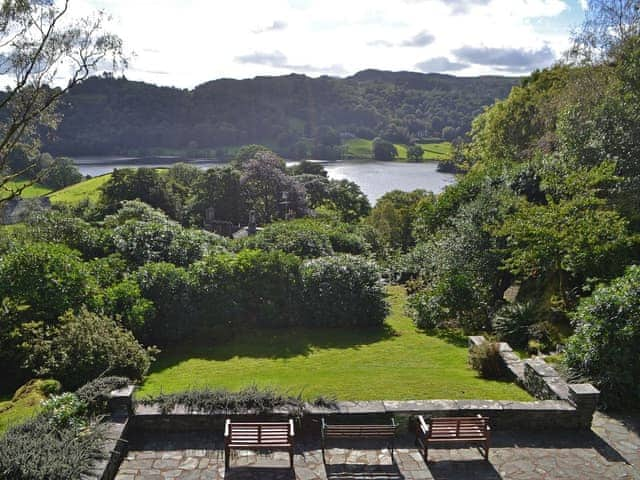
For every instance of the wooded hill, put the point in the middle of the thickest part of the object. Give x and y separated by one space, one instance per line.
294 114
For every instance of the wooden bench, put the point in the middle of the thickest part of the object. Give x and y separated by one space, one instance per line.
387 432
258 436
453 430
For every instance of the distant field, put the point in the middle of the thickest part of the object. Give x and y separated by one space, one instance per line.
88 189
362 148
35 190
399 362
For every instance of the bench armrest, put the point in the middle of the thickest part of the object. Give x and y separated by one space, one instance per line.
227 427
422 425
291 432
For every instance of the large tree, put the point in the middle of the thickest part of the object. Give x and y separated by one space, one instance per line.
40 46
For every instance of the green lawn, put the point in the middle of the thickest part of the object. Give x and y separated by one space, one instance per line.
362 148
35 190
74 194
397 363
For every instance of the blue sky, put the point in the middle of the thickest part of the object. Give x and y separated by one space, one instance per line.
187 42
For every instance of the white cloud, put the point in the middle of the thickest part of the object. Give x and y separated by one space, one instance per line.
187 42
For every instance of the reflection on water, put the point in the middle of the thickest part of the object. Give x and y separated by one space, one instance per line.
374 178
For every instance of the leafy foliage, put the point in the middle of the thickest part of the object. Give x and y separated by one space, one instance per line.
50 279
604 348
250 399
38 450
485 358
84 346
95 394
342 291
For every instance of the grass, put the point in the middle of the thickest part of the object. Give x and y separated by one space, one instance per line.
86 190
362 148
397 362
21 406
35 190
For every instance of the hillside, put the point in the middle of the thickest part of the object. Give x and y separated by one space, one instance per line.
295 114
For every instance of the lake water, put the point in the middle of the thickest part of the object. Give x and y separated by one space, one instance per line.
374 178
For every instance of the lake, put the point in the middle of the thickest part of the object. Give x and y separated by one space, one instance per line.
374 178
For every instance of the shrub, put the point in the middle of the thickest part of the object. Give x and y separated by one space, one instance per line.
342 291
137 211
50 279
513 321
604 347
304 238
309 238
84 346
451 302
109 270
125 303
144 242
37 450
249 399
95 394
171 290
485 358
251 287
59 227
65 411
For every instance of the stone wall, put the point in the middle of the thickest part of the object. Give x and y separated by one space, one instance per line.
543 382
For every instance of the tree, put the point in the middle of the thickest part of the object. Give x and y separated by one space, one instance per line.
38 46
414 153
347 199
607 24
61 173
384 150
218 188
266 187
393 217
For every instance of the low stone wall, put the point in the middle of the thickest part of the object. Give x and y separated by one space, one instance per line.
538 415
543 382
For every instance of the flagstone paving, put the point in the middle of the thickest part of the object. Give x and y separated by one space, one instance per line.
610 451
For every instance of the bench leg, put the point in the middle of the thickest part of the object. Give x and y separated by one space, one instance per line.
291 458
486 450
227 452
322 446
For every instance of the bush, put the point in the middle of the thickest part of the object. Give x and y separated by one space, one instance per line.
249 288
85 346
451 302
512 323
50 279
485 358
252 399
173 294
137 211
65 411
342 291
125 303
144 242
604 347
95 394
58 227
304 238
38 450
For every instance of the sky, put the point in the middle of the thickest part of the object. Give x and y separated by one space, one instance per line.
184 43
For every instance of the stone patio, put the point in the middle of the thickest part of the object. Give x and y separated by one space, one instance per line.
610 451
